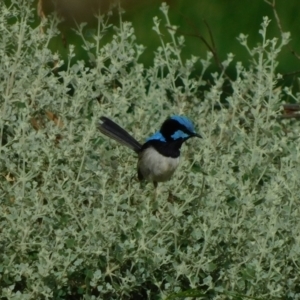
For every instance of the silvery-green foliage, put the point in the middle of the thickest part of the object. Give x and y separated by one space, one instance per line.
73 218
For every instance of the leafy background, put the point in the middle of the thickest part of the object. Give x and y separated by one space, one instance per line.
75 224
226 20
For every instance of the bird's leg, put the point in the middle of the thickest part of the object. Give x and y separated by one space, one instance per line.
155 190
154 196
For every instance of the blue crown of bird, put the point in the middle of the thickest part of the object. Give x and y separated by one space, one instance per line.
158 157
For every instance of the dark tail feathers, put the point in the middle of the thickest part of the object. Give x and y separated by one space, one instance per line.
114 131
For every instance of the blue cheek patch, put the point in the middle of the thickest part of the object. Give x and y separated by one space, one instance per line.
179 134
156 137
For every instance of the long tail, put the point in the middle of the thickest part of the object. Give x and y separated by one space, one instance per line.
114 131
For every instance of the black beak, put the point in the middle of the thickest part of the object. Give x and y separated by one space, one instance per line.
197 135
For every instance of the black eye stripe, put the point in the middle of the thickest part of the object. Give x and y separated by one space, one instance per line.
170 126
183 128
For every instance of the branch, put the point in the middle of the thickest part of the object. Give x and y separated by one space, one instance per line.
273 5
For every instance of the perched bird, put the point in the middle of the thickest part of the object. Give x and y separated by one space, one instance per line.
158 157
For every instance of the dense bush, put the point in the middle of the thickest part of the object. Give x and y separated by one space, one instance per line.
75 224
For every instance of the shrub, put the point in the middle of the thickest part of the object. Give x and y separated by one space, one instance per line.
74 221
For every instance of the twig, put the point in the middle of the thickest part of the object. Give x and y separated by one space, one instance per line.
211 48
210 35
289 116
273 5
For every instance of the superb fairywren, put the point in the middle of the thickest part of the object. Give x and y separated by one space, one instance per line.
158 157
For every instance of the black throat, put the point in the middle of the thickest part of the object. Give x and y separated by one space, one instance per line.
168 149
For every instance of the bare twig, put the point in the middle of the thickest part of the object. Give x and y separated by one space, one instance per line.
273 5
210 35
291 73
199 36
289 116
291 107
211 47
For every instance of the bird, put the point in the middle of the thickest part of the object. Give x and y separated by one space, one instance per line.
158 157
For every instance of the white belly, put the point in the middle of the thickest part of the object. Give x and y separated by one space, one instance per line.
156 167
